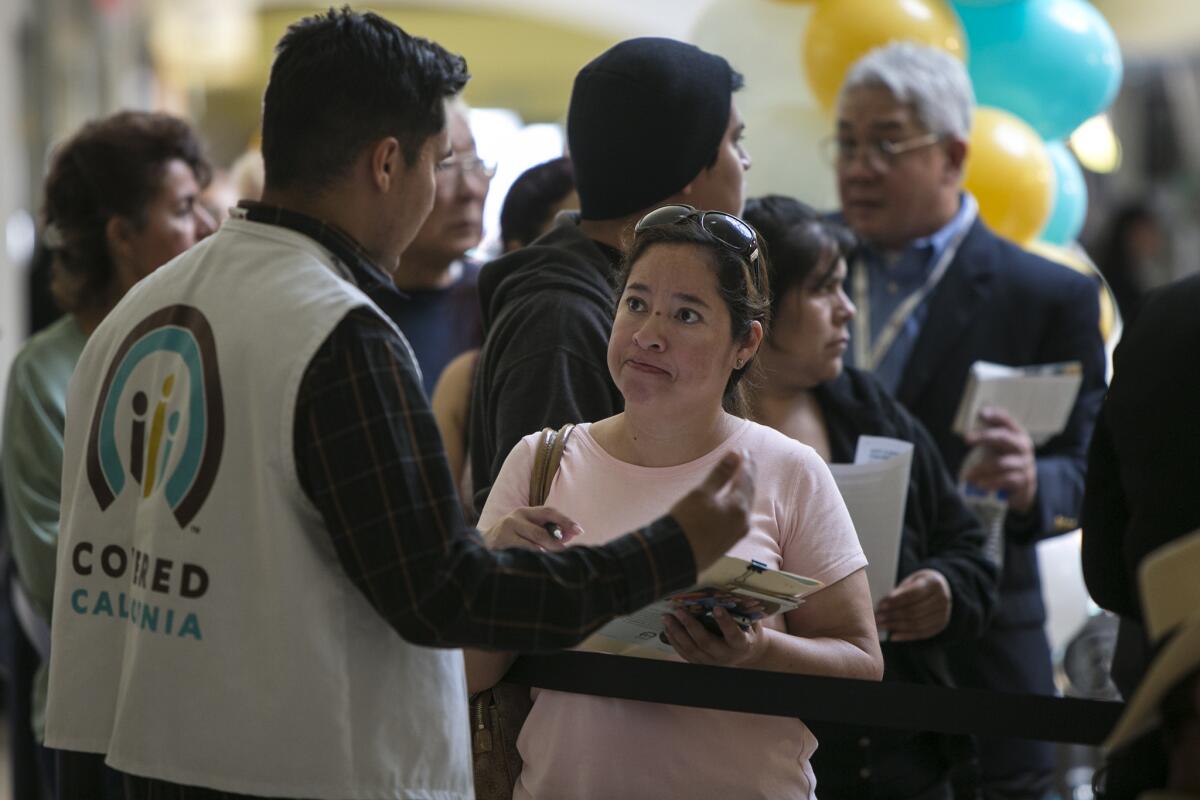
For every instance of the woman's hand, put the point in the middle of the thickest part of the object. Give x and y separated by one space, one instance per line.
919 608
531 528
737 647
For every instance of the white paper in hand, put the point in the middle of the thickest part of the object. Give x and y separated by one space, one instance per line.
875 488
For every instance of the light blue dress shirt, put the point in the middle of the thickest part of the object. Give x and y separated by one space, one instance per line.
891 283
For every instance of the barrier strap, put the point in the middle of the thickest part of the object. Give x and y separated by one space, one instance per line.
903 706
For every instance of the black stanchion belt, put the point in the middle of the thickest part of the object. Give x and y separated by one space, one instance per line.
851 702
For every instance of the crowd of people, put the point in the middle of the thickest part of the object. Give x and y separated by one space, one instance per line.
276 488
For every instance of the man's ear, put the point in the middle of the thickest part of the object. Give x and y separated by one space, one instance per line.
385 160
118 234
956 156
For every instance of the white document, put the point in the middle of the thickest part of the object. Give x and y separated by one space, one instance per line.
875 488
1040 398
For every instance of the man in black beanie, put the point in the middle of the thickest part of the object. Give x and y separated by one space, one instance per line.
652 121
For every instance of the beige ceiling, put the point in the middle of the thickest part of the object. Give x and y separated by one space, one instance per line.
524 54
521 62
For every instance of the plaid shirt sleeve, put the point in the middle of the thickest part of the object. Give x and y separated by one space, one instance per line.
369 457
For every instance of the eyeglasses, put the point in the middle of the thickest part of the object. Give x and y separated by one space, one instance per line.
733 233
881 154
458 167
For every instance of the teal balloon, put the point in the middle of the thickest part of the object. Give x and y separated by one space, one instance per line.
1070 197
1053 63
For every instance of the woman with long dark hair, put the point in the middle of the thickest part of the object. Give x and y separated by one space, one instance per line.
692 312
945 588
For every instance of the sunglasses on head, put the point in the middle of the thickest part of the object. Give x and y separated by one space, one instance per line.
727 229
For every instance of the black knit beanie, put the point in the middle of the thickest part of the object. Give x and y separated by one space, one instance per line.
646 117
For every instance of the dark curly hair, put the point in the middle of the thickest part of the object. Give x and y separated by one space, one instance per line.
744 286
113 167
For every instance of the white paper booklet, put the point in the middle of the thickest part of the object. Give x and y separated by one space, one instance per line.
875 488
748 590
1040 398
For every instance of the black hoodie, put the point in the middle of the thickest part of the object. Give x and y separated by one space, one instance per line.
547 313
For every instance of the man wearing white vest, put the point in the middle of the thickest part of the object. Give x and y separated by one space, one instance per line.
261 545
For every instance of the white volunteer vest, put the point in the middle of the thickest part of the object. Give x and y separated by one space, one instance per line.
204 631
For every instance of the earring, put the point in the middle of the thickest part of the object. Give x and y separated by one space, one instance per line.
737 364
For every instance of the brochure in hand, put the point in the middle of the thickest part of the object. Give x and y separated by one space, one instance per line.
748 590
1040 398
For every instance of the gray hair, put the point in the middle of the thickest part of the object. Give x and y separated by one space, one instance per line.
930 80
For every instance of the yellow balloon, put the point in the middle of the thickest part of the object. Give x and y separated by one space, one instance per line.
842 31
1075 258
1010 174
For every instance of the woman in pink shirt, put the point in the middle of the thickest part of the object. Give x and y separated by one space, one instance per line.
692 313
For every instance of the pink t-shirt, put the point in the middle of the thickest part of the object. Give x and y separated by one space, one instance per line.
581 747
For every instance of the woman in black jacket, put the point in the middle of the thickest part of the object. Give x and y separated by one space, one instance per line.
945 589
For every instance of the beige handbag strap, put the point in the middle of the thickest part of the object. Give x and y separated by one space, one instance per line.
546 460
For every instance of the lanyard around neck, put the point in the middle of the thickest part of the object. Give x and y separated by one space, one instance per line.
868 354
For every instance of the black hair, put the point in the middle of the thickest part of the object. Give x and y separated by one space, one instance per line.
342 80
742 284
112 167
1117 260
799 240
531 198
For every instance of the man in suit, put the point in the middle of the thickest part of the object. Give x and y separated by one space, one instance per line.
938 291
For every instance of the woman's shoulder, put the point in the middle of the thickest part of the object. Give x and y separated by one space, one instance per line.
579 442
511 488
767 446
47 359
459 373
528 443
452 392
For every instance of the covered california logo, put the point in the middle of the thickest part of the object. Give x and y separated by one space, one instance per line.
159 423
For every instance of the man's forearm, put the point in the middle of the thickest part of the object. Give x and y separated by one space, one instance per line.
527 601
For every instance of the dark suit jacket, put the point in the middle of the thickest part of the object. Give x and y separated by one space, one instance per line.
999 303
1143 486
